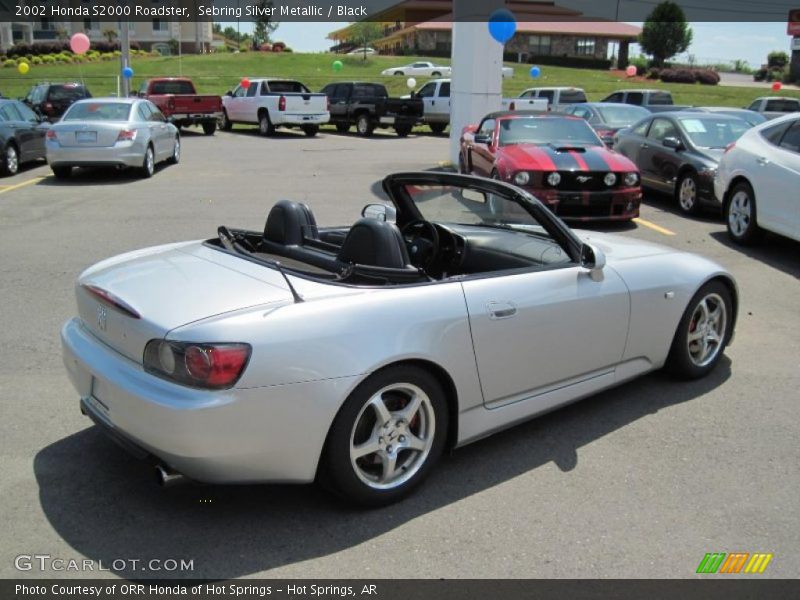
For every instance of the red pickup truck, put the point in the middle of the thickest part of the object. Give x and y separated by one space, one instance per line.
177 98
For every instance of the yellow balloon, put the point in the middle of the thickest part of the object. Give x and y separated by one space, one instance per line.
23 68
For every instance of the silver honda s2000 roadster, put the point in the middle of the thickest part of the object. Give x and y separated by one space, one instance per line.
356 355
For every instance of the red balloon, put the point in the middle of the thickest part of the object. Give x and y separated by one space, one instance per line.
245 83
776 86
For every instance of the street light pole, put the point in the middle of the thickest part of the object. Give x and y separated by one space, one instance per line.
125 58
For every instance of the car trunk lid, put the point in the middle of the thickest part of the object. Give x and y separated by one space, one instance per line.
130 300
88 134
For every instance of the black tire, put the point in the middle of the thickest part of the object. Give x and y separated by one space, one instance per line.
437 128
342 127
209 127
688 203
10 162
741 215
358 480
364 125
402 130
310 130
224 122
436 74
62 172
681 361
176 152
148 163
398 73
265 126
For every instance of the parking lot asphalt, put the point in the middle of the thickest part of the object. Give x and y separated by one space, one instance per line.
637 482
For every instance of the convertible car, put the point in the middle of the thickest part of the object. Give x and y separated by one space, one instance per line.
355 356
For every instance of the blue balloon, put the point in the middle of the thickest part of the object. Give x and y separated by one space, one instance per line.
535 72
127 72
502 25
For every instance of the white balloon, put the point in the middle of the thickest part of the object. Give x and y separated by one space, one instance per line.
411 83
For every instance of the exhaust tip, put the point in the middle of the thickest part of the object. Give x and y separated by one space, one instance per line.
166 477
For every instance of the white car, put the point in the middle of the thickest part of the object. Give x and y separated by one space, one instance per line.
368 51
757 181
421 69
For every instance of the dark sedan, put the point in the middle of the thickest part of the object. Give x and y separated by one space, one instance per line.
21 136
678 152
607 118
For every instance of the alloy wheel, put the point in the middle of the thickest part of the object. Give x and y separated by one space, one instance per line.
687 195
740 213
12 160
707 329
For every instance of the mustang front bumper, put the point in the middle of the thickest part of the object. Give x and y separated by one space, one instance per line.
612 205
273 433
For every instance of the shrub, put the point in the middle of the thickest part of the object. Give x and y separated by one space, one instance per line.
654 73
706 76
9 62
48 59
777 59
677 76
760 75
278 47
36 60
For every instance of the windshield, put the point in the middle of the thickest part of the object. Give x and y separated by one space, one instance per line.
622 115
172 87
547 130
713 132
660 99
67 92
98 111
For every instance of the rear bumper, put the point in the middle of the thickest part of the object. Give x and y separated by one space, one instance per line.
124 155
195 118
613 205
299 118
273 433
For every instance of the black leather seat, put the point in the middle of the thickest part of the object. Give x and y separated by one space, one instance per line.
374 243
289 223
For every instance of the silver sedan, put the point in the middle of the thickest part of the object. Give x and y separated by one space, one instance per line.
357 355
119 132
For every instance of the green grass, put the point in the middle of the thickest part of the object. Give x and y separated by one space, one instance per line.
216 73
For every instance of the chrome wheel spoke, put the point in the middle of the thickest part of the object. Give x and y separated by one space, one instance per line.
371 446
381 412
415 443
410 410
389 464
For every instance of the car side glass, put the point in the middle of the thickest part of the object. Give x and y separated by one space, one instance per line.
791 139
251 91
27 113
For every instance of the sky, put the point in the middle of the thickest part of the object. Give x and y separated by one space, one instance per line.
713 42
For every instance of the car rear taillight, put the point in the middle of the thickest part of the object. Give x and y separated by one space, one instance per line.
113 301
729 147
126 135
282 103
208 366
51 135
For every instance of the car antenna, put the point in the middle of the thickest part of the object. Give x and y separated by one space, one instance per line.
295 295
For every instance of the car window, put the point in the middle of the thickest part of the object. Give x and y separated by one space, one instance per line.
444 90
239 92
487 127
419 65
572 96
783 105
427 90
342 90
287 87
68 91
662 128
580 111
26 113
143 88
548 94
635 98
755 105
142 112
528 94
708 131
774 133
172 87
622 115
561 131
641 128
791 139
98 111
251 91
659 99
155 113
616 97
9 113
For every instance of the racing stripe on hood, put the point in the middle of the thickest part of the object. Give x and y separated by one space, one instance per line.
619 163
562 161
595 160
579 159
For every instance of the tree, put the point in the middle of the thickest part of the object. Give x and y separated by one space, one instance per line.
363 32
264 24
110 34
665 33
216 28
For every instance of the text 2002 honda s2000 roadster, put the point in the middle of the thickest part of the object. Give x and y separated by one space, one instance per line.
356 355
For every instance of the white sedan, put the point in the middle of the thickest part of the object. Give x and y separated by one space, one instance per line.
419 69
757 181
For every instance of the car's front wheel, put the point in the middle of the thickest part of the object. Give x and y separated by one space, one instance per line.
686 191
176 151
10 164
387 436
149 163
740 215
703 332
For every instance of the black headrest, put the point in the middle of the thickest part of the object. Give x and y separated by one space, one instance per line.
374 243
288 222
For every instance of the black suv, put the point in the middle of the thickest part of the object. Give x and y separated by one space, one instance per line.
51 100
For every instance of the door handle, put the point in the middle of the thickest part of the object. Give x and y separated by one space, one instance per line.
762 160
501 310
644 145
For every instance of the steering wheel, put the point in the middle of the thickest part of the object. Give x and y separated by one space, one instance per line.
422 240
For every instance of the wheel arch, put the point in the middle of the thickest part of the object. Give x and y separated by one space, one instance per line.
740 178
730 284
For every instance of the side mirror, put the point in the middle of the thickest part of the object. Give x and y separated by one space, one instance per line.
380 212
229 93
593 259
482 138
672 142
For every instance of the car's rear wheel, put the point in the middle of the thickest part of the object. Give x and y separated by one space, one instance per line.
437 127
311 130
149 163
10 164
209 127
176 151
436 74
62 172
703 332
402 130
686 192
399 73
343 127
364 125
265 126
740 215
387 436
224 122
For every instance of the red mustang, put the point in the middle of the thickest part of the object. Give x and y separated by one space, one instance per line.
557 158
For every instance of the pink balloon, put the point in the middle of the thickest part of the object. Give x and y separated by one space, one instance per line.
631 70
79 43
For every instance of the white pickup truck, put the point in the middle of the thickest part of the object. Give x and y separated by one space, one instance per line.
271 103
435 96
